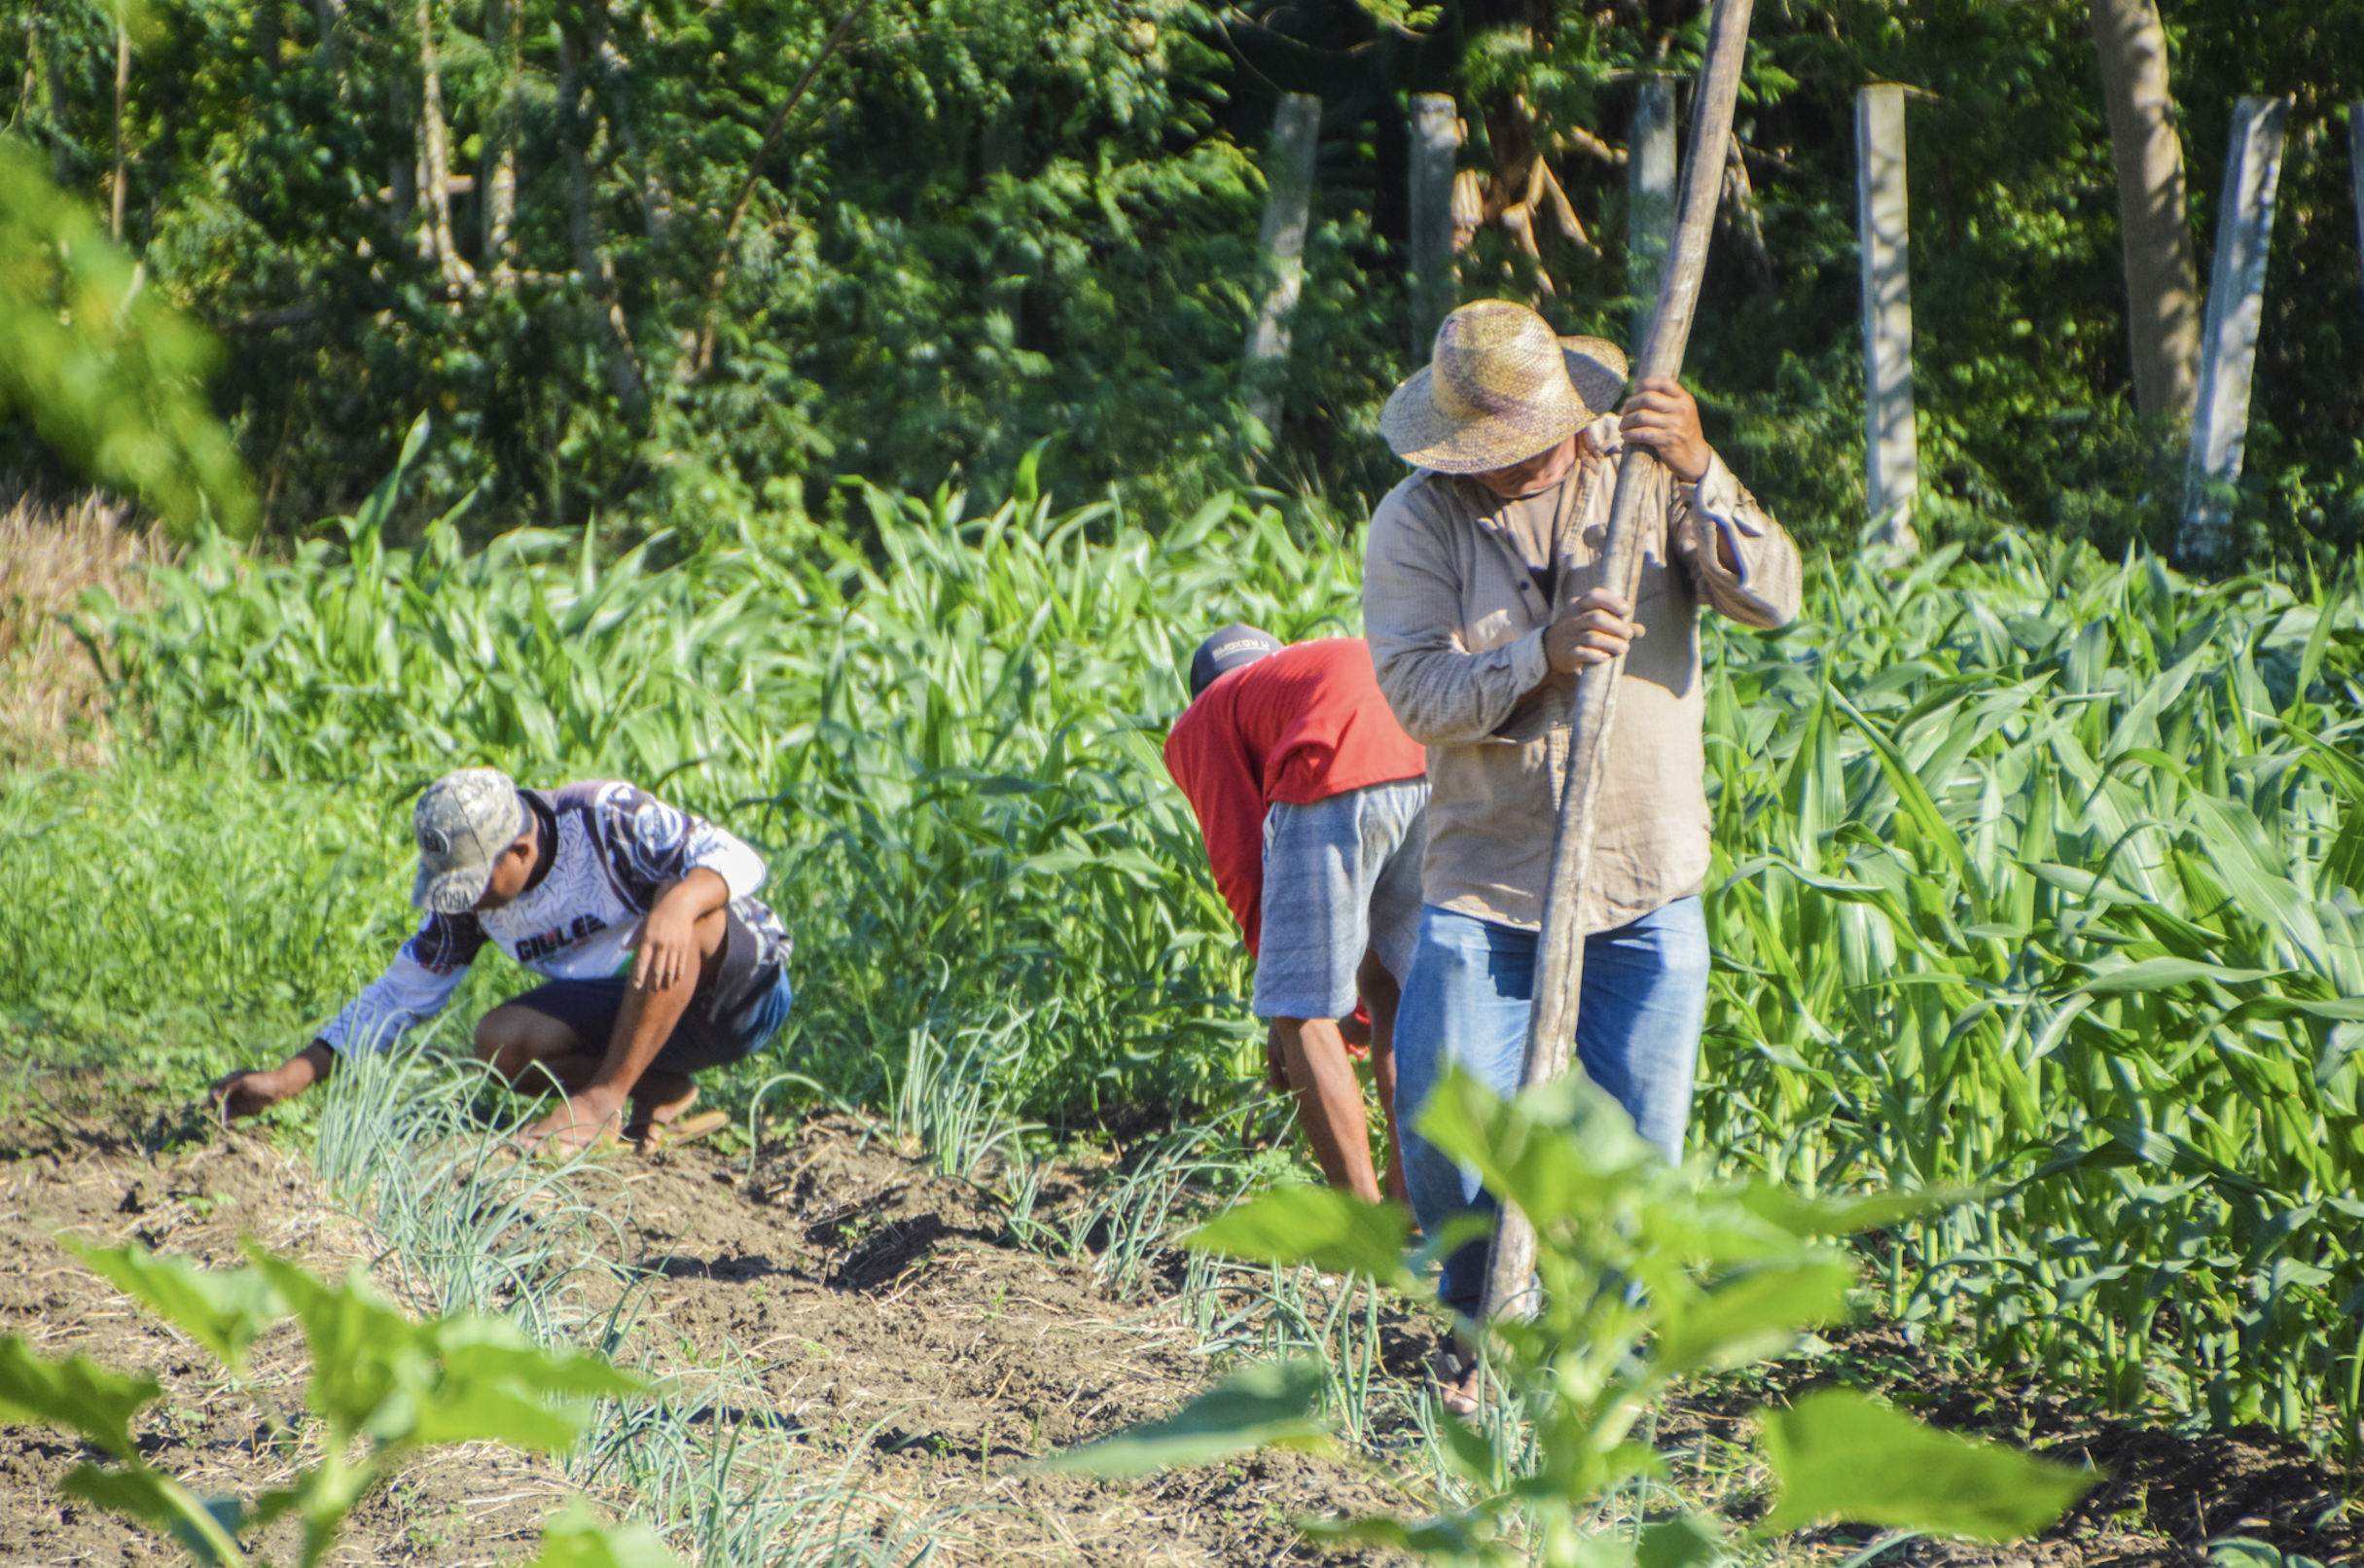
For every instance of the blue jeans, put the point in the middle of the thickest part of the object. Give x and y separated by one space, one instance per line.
1466 1001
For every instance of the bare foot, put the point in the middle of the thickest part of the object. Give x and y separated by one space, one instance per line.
586 1119
659 1100
1453 1373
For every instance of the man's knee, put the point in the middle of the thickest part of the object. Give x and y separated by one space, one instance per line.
514 1038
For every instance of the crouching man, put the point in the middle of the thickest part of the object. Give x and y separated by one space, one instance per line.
660 961
1311 799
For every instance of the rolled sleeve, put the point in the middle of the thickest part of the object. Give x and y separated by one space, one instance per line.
1441 693
1767 589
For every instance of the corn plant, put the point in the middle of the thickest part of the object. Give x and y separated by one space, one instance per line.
402 1385
2038 873
2044 877
1645 1278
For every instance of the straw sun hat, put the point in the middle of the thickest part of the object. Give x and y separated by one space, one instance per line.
1499 387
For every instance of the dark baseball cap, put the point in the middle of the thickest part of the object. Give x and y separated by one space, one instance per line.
1225 650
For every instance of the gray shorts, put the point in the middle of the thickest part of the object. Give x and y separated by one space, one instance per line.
1342 876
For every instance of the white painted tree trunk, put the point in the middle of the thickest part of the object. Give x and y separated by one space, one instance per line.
1650 166
1288 178
2227 338
1436 140
1891 457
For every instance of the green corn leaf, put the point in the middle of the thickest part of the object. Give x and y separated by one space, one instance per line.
1556 1151
2239 1551
223 1309
1751 1317
576 1539
2164 974
73 1393
1839 1455
363 1351
1803 1216
1681 1542
1270 1405
1330 1230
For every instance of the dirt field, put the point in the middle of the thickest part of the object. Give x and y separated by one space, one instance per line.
897 1332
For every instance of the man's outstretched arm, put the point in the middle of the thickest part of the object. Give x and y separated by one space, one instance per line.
413 988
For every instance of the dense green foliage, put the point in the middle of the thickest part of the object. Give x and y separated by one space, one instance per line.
375 1374
2040 873
1647 1278
990 223
101 368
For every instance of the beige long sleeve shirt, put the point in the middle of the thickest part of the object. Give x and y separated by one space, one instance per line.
1455 620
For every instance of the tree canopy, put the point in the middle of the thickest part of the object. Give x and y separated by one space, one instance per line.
991 222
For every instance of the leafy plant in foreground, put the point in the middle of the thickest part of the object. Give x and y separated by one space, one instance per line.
402 1385
1647 1278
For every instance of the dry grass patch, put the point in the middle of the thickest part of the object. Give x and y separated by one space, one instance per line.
50 709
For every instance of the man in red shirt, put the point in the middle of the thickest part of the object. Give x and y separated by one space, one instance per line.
1312 799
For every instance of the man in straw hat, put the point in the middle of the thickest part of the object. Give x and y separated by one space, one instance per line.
658 961
1482 600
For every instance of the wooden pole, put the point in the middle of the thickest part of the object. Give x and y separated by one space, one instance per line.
1650 172
1436 140
1890 458
1560 955
1288 177
2228 341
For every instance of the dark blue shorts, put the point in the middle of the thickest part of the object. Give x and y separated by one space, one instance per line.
731 1017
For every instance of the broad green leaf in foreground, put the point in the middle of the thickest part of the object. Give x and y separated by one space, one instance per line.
1838 1455
576 1539
1314 1224
207 1528
223 1309
73 1394
1270 1405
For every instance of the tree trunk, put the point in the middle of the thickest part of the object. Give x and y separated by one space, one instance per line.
655 202
1891 455
1288 179
577 128
2162 286
2237 307
123 92
435 156
1650 175
1436 139
500 172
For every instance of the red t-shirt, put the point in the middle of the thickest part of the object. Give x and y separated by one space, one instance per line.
1297 726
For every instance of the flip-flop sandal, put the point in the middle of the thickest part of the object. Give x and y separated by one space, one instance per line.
654 1135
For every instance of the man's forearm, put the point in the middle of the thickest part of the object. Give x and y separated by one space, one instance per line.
643 1024
700 891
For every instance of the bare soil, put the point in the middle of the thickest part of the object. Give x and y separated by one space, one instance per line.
896 1327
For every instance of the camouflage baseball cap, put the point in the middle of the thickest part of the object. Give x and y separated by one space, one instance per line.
463 822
